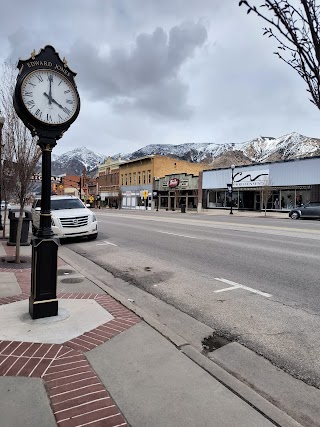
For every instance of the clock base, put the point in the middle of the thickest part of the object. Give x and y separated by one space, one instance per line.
43 299
40 309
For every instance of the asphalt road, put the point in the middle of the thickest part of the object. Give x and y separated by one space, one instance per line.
254 280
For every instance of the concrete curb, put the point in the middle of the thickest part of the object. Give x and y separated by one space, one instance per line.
263 406
270 411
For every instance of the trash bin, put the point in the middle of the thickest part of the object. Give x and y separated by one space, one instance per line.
14 218
183 208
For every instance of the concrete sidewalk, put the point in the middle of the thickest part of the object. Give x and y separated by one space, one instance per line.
99 364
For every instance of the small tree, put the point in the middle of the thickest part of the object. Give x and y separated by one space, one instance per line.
21 148
266 193
297 32
119 198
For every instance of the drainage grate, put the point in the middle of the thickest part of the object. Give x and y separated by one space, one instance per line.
213 342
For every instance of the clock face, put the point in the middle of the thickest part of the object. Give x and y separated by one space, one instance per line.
49 97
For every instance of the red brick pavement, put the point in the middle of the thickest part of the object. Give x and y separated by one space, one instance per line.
78 397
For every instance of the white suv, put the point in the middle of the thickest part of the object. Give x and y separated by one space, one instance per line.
69 217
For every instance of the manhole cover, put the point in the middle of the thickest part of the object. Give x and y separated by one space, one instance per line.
64 271
71 280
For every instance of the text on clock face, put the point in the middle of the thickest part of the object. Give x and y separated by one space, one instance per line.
49 97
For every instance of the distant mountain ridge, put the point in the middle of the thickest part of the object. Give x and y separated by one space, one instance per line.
73 162
259 150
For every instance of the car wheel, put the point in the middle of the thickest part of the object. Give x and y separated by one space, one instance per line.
93 236
295 215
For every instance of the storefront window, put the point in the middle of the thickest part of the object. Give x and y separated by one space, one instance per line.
221 199
139 201
294 198
218 199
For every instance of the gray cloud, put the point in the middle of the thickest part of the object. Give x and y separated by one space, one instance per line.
146 76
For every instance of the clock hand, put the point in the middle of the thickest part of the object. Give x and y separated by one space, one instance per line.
50 77
53 100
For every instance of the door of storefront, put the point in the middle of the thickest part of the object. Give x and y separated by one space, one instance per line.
172 205
248 199
257 201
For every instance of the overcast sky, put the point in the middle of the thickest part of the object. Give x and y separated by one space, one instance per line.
162 71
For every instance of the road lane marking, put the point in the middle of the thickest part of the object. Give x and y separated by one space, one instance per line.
235 285
106 243
174 234
281 230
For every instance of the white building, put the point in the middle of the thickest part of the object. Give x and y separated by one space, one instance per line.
292 182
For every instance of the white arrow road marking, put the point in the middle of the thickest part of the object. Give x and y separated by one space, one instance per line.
106 243
237 286
174 234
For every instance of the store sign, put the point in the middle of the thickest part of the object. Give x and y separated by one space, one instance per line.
173 182
251 178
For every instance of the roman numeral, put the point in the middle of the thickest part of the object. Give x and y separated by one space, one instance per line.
66 111
28 93
66 91
39 77
69 101
60 83
60 118
29 83
30 103
38 113
49 118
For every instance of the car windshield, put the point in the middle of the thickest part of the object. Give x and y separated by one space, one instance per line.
64 204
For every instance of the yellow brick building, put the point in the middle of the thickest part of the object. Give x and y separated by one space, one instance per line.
137 177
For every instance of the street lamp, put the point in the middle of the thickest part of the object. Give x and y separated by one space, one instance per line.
1 126
231 189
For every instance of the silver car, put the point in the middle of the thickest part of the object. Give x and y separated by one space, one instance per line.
309 210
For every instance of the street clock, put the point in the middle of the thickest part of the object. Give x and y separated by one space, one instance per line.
47 101
46 97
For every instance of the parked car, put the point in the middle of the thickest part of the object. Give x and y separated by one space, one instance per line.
3 205
310 210
70 217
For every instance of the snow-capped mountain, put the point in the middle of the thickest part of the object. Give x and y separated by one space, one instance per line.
73 162
258 150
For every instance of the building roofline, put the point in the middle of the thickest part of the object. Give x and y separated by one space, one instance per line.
264 163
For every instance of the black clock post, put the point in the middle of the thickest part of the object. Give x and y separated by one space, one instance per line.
47 101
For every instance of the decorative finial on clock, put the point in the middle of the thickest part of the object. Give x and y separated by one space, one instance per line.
65 62
33 54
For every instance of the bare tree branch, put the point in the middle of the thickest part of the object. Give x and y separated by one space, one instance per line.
297 33
21 150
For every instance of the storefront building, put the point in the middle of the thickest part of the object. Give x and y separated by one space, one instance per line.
108 182
138 179
177 190
289 184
